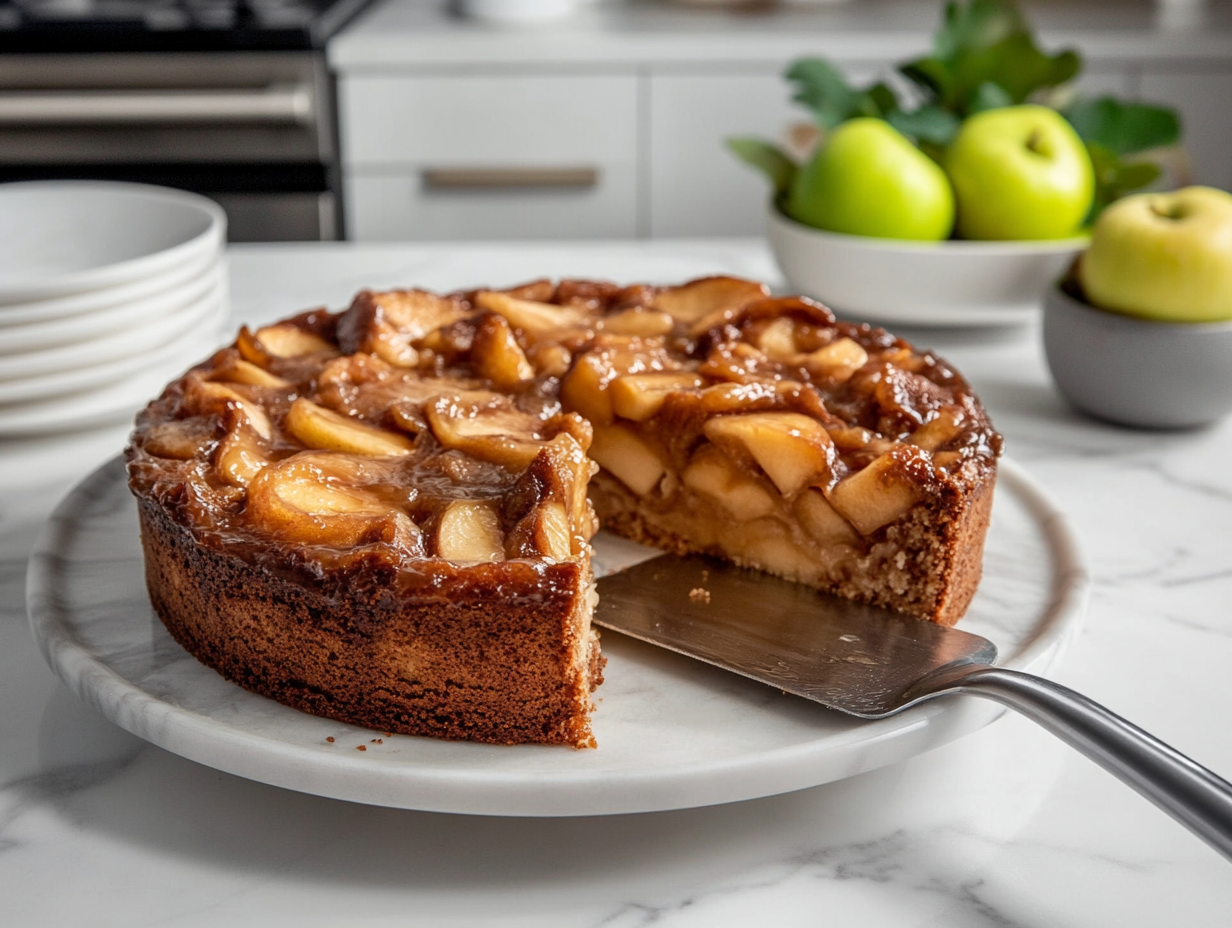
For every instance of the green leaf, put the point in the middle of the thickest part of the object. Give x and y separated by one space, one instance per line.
930 75
978 24
768 159
1114 178
1124 128
878 100
927 124
988 96
823 89
986 42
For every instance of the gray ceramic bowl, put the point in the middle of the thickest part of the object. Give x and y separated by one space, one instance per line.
1136 372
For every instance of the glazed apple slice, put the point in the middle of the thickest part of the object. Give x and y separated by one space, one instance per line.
640 396
215 398
324 429
643 323
837 360
791 448
535 319
310 498
470 530
485 426
498 356
620 451
715 474
543 532
238 370
700 298
879 494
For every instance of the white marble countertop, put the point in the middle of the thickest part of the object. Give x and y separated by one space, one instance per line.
1005 827
419 34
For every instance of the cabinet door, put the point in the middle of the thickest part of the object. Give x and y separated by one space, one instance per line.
489 156
1203 97
697 186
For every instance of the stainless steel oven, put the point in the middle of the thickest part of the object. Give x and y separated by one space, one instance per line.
239 109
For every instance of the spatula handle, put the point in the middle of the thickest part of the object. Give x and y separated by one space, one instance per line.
1193 795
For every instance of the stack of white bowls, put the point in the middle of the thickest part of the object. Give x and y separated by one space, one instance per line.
107 291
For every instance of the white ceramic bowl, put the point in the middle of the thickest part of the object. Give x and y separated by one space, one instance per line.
132 343
1135 371
67 237
122 318
195 325
103 299
919 283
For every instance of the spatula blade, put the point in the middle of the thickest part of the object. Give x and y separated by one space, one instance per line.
848 656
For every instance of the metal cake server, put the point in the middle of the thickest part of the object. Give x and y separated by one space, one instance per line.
873 663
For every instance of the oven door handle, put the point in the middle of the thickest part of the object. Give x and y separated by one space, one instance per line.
277 104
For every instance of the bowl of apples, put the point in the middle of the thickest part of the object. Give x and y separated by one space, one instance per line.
961 204
1140 333
867 226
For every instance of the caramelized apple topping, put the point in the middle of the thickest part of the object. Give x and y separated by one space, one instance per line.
699 298
469 530
483 416
318 499
291 341
794 450
318 427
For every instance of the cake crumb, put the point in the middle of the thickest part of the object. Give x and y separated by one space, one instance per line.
377 741
330 739
699 595
360 747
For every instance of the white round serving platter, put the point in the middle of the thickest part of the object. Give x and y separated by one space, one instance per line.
102 299
66 237
673 733
48 334
185 328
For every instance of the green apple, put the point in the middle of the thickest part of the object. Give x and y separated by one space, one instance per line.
1020 172
1163 256
870 180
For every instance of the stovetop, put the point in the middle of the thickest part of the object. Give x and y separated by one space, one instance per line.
41 26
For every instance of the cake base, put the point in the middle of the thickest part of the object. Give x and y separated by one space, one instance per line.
487 669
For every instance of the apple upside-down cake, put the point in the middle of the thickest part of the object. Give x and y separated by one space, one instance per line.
383 515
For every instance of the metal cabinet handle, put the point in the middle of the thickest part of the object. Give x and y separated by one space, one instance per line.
277 103
558 178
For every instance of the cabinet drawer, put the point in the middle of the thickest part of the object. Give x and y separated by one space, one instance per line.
400 205
507 121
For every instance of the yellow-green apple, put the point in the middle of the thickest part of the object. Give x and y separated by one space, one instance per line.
1163 256
1019 172
870 180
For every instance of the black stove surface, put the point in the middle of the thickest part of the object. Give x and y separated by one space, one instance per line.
41 26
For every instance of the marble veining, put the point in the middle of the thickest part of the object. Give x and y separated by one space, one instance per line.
1002 827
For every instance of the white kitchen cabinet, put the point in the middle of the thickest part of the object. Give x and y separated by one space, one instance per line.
489 156
612 124
696 185
1204 98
